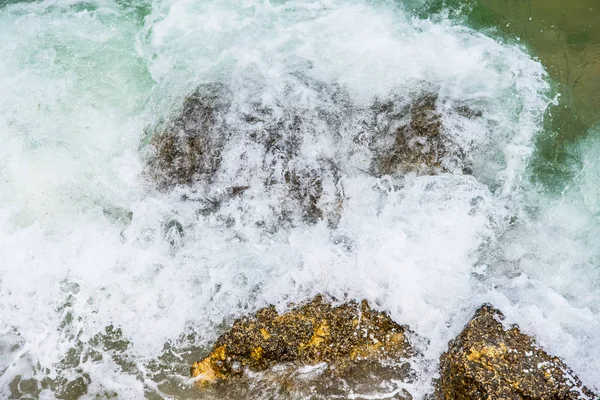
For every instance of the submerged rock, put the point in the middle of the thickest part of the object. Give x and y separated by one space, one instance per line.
291 154
244 144
351 347
487 361
188 148
412 138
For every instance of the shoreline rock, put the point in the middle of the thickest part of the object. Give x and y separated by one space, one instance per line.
487 361
419 144
347 346
320 351
188 148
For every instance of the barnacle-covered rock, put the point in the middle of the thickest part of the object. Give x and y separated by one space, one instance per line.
350 346
487 361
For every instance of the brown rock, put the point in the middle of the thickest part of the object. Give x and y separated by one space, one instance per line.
399 135
419 143
188 148
348 343
488 362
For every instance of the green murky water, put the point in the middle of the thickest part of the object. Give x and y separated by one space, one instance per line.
565 36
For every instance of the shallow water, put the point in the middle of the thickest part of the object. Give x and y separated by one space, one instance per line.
99 294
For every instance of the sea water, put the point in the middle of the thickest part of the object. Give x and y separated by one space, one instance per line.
109 287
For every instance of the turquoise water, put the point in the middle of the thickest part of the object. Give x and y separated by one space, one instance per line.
99 297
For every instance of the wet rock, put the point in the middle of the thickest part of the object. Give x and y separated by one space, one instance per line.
299 179
173 232
259 139
118 214
188 148
315 348
306 187
413 138
365 381
487 361
290 154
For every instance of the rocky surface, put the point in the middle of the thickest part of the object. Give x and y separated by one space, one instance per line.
315 349
188 148
487 361
293 153
319 351
289 152
418 143
247 144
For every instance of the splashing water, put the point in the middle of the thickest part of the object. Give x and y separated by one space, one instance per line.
111 288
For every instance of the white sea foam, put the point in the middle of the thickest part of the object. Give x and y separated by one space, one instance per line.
80 85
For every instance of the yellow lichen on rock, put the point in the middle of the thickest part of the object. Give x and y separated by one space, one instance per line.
265 334
206 370
487 354
486 361
342 337
257 353
320 335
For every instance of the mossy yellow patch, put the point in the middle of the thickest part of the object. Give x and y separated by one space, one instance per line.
219 353
257 353
489 352
206 372
265 334
206 369
319 336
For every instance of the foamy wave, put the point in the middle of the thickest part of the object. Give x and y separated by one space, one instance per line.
80 84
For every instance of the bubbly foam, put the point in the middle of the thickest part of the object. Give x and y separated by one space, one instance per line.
90 291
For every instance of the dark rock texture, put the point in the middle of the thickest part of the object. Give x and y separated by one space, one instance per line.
293 154
188 148
419 144
488 362
347 343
